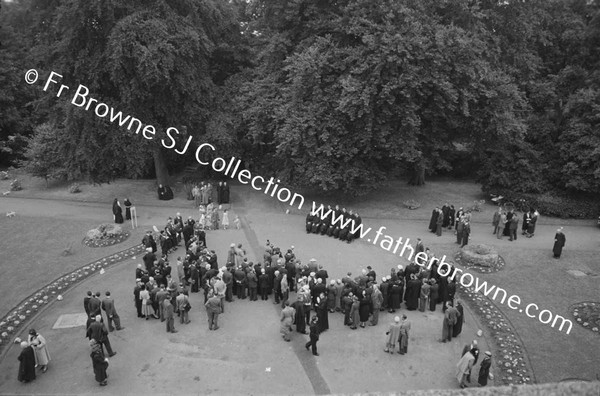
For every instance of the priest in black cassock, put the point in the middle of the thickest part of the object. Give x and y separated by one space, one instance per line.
433 221
165 193
225 193
559 243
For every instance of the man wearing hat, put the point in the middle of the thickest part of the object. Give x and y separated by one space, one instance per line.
484 369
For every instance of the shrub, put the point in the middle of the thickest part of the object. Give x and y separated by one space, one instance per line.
554 204
15 185
74 188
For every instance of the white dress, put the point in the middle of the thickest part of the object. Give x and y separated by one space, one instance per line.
225 219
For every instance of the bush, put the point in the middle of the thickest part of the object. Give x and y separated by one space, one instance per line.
554 204
15 185
74 188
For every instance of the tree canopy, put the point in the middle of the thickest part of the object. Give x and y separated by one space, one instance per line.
341 95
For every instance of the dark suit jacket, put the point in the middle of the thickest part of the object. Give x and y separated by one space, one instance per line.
108 305
97 331
94 306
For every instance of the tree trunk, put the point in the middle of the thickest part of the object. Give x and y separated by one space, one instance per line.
417 177
160 167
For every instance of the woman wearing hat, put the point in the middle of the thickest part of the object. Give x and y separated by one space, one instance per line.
484 369
99 361
38 343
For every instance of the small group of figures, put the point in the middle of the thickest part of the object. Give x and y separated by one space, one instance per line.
34 354
203 194
210 219
506 223
338 223
468 360
118 210
448 217
165 193
171 235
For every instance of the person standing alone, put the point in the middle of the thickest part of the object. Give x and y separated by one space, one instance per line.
314 336
559 242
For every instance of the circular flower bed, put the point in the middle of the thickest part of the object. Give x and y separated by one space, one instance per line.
105 235
480 258
411 204
587 314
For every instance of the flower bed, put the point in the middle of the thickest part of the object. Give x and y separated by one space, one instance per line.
11 323
587 314
105 235
464 258
508 354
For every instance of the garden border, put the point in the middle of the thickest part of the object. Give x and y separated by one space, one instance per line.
36 303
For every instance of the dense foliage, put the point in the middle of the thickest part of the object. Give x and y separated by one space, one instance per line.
343 95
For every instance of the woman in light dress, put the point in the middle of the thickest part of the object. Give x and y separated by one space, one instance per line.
38 343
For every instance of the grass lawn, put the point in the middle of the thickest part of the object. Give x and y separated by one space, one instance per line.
32 253
537 277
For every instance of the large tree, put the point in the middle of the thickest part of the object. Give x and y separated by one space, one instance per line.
346 94
154 60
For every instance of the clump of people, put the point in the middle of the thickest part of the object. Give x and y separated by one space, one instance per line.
338 223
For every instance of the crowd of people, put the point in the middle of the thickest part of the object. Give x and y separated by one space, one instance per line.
306 292
340 224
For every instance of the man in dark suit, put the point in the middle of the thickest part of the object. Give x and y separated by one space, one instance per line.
314 335
94 305
86 302
108 305
98 332
263 284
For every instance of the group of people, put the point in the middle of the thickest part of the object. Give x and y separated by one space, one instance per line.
203 194
34 354
210 219
117 210
304 291
465 365
339 223
97 331
506 223
447 217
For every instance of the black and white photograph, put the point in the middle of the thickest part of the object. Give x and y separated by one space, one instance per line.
300 197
